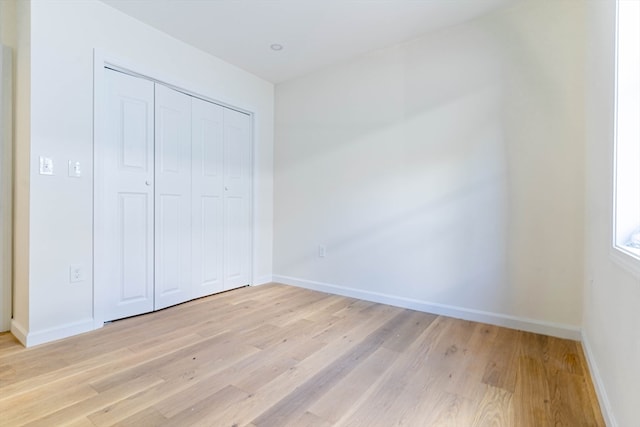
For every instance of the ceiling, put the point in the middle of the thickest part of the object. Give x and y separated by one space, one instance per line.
313 33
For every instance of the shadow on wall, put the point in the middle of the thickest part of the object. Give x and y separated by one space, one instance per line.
406 207
425 168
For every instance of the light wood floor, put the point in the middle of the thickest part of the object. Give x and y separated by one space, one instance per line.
280 356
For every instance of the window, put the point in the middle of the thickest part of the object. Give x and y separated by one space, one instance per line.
627 156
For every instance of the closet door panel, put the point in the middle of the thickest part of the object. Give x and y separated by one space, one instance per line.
210 244
168 237
237 198
133 244
124 198
235 247
173 197
207 206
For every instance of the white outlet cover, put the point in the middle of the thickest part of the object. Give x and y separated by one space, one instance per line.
75 273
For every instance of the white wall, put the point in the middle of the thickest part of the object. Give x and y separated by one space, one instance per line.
444 171
612 294
63 36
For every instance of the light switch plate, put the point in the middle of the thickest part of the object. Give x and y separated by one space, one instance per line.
74 169
322 251
46 166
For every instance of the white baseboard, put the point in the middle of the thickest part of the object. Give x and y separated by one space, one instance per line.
18 331
498 319
29 339
598 384
262 280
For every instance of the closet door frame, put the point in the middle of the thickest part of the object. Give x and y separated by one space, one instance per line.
102 60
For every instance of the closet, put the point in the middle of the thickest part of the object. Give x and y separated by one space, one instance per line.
173 188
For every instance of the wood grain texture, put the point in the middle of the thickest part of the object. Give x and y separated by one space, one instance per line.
275 355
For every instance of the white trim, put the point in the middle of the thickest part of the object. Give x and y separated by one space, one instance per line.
99 84
625 260
106 59
19 331
252 197
29 339
614 159
601 392
6 187
498 319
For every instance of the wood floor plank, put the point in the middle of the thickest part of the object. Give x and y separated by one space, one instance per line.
275 355
311 390
336 304
243 319
532 399
80 422
8 343
177 359
294 314
500 370
147 417
205 411
455 412
593 403
494 409
78 410
307 419
570 399
55 379
216 357
254 378
281 334
25 408
395 388
349 391
402 337
449 371
269 395
474 356
562 355
20 369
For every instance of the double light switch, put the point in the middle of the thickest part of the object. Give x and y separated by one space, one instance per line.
46 167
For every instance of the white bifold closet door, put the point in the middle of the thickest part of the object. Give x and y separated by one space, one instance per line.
237 190
221 179
172 197
123 228
207 197
173 184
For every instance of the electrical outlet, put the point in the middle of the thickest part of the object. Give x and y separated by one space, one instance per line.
75 273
